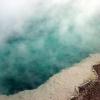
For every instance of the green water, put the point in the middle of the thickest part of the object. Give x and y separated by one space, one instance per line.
42 48
28 60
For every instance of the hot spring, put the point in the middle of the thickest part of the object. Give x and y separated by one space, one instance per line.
40 38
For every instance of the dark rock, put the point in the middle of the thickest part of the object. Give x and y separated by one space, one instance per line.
90 90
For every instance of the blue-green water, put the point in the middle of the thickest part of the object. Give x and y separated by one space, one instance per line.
28 57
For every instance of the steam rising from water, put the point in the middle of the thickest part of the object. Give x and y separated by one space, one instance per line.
39 38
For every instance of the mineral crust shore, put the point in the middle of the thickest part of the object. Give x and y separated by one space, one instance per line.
79 82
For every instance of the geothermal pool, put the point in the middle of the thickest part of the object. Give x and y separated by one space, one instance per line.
40 38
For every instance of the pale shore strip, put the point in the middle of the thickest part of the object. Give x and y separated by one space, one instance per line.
62 86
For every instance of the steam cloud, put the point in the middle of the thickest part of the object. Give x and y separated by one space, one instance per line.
39 38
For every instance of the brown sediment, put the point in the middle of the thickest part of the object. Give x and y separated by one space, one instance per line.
90 90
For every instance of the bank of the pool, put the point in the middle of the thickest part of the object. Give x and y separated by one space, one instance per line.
64 85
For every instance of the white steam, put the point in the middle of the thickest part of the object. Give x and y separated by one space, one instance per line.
40 37
81 14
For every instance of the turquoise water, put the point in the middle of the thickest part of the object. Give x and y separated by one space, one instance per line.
42 48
